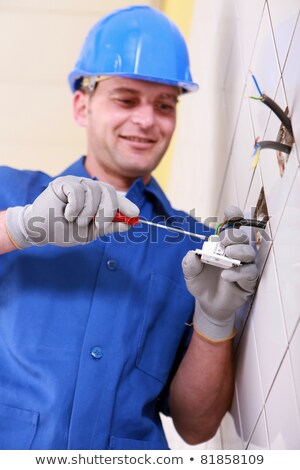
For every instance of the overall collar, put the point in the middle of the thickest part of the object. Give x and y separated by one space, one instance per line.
138 191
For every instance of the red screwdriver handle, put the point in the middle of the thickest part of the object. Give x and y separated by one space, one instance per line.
119 217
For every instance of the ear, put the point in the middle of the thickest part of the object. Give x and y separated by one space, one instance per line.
80 108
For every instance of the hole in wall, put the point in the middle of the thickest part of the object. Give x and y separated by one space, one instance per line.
284 137
260 213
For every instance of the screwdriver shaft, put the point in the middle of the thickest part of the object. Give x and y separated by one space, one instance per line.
167 227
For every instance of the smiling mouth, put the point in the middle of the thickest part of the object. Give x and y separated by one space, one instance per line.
140 140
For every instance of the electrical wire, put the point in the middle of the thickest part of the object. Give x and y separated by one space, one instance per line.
285 120
256 84
270 144
273 106
279 112
237 222
220 227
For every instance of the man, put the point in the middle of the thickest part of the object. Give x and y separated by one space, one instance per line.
94 340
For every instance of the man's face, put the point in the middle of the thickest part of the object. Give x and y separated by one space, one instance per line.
129 125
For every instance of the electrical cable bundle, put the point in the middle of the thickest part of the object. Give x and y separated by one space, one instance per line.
237 222
285 121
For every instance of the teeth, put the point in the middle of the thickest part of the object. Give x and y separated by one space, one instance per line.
137 139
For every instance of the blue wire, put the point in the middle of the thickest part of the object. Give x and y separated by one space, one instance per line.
256 84
255 149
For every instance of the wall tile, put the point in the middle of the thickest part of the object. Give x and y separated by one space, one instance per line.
295 361
277 191
227 195
202 125
287 257
226 38
249 392
265 413
249 211
265 67
276 187
249 15
283 19
230 429
259 439
282 412
213 444
233 85
268 158
269 327
173 438
254 189
291 80
264 248
241 153
176 442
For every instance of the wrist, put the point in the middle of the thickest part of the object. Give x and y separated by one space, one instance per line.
212 328
15 227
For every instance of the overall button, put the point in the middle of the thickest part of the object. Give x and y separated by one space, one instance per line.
96 352
112 264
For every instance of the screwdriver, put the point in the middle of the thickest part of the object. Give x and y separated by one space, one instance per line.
237 222
119 217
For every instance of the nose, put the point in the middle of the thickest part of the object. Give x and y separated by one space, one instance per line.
143 116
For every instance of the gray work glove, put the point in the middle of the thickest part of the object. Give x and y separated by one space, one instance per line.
219 293
70 211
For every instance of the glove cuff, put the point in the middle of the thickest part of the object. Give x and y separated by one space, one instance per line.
212 329
15 227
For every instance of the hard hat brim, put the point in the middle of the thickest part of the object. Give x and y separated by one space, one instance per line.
74 78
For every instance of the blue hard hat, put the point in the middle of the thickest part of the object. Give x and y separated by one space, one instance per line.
137 42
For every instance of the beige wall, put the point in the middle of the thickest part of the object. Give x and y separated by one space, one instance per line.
39 44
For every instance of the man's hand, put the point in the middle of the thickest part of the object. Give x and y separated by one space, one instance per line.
219 293
71 211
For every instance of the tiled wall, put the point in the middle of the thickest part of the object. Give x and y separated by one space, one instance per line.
215 142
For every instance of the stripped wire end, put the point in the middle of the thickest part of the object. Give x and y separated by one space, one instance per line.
256 152
260 98
257 155
256 83
221 226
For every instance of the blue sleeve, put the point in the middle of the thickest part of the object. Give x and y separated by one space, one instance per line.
20 187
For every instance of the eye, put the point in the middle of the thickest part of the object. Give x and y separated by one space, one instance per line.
125 102
166 108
